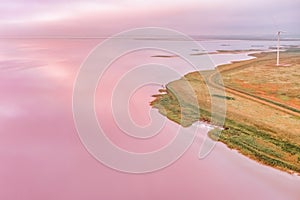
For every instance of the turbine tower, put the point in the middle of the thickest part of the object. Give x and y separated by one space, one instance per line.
278 46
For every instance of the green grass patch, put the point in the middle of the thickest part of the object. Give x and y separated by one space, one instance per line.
223 97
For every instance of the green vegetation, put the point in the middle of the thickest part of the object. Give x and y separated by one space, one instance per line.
248 140
260 145
223 97
179 111
261 123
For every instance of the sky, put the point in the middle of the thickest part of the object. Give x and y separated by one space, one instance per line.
96 18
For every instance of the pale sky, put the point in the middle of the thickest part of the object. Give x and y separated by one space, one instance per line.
104 17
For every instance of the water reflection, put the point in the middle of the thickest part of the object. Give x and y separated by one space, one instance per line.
42 157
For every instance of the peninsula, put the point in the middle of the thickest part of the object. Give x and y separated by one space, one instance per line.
262 101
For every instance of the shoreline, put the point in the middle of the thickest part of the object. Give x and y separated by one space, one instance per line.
254 141
262 168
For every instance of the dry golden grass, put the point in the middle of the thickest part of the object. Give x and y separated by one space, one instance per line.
265 79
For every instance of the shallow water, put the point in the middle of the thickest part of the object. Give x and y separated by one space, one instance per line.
42 156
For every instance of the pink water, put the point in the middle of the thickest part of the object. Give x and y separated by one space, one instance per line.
42 157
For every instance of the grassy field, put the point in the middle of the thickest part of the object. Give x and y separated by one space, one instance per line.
262 100
280 84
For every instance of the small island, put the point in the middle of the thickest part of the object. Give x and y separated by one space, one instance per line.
262 101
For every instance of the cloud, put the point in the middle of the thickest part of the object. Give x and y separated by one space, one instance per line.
98 18
20 64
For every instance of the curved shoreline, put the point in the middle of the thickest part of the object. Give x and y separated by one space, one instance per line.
250 138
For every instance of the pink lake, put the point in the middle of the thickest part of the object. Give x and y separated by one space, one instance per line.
42 157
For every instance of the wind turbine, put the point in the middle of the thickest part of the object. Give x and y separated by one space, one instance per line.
278 46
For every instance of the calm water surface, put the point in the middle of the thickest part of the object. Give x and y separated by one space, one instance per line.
42 156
